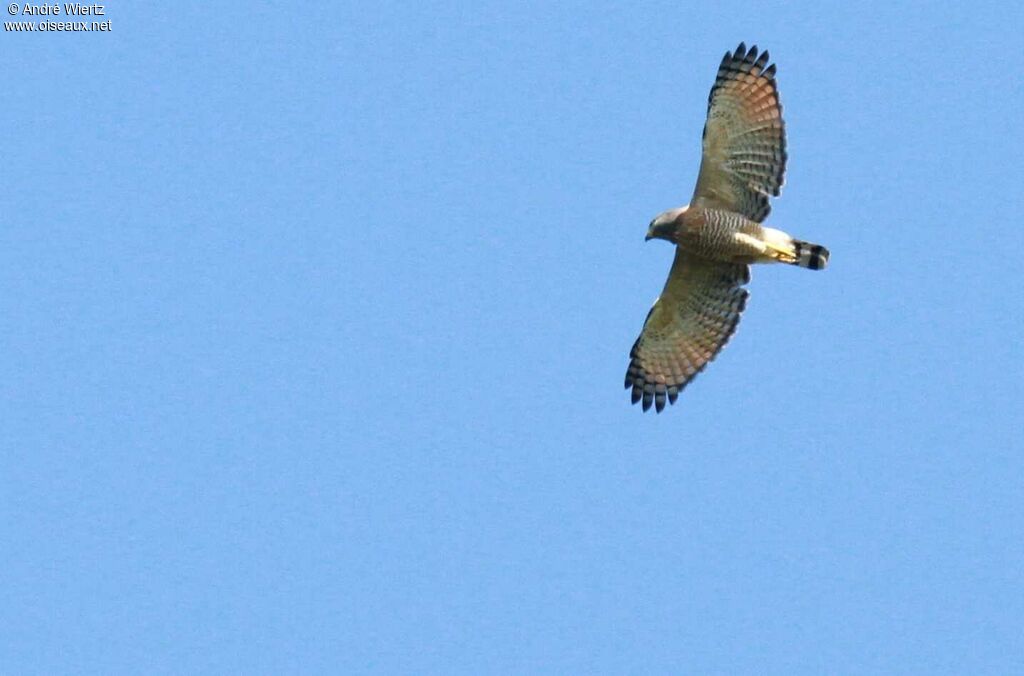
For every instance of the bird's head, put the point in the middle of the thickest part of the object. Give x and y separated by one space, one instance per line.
665 224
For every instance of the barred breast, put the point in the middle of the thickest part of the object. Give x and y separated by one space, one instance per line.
711 234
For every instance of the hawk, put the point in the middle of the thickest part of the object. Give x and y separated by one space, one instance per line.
719 234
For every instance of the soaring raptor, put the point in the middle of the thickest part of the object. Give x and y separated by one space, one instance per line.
719 234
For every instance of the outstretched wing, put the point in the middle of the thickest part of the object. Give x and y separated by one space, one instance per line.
689 324
744 156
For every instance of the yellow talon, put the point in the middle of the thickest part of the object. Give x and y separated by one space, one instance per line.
785 255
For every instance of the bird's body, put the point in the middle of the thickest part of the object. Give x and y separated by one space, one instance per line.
719 234
730 237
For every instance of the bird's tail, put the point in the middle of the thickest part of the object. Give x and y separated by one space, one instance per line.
779 246
811 256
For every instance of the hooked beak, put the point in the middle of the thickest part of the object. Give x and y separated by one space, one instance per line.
649 236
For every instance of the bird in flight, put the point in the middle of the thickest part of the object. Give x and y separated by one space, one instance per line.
719 234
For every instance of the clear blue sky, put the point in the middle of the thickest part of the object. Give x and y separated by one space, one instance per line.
314 322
